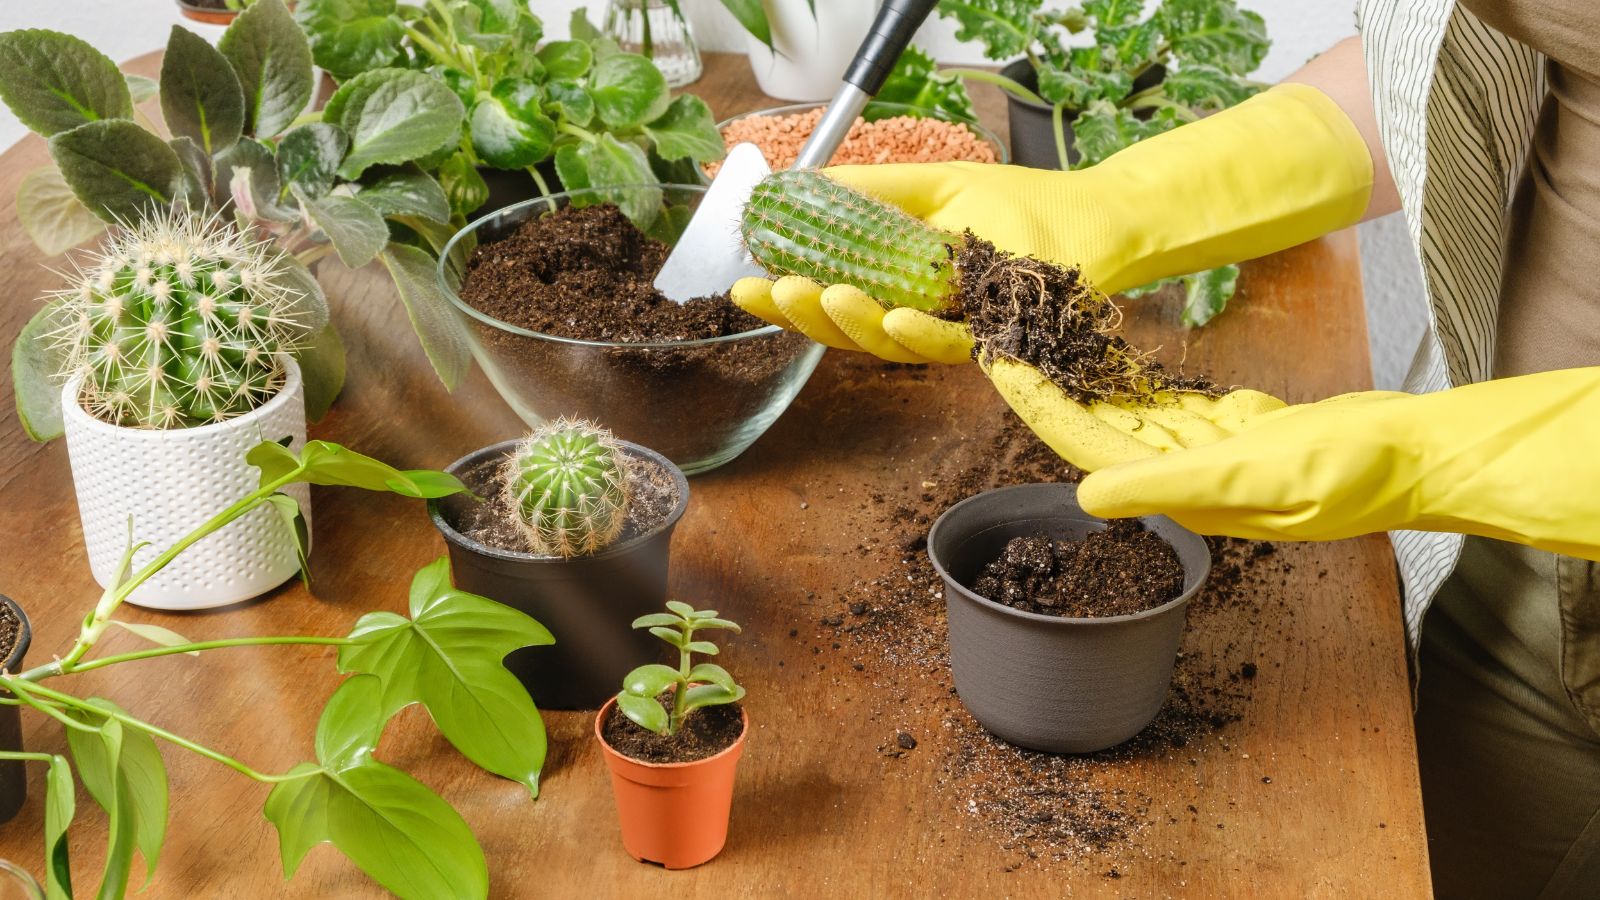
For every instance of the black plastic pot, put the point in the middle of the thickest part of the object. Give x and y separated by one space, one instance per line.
1033 138
1049 683
588 602
508 186
13 779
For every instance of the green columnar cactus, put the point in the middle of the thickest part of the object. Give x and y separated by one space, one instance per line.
567 484
176 322
799 222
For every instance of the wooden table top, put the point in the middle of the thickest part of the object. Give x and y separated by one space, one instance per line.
1313 791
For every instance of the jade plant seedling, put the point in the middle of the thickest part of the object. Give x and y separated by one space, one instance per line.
567 483
693 685
445 654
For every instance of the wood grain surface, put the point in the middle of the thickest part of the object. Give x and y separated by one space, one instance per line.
772 540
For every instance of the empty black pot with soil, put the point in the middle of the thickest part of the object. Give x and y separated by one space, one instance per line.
15 634
1033 133
1055 683
588 602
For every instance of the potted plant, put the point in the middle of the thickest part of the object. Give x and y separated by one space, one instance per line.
173 350
1064 630
16 632
1073 104
444 653
534 115
346 182
212 12
575 529
672 740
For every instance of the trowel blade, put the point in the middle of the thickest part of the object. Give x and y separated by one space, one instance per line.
710 257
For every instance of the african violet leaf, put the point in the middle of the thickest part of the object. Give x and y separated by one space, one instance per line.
628 90
321 462
270 55
200 94
394 116
407 192
566 59
141 88
462 184
1004 27
686 130
509 130
448 656
1207 294
1206 88
357 230
570 100
60 805
122 770
52 215
349 37
438 326
55 82
247 176
117 169
389 824
309 157
34 364
915 81
196 175
1214 32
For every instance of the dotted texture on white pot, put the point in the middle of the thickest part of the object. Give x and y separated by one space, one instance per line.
173 481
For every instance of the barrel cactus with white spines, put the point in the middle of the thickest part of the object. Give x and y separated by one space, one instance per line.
567 485
178 321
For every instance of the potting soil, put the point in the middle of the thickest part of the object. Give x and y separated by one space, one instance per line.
705 732
1124 569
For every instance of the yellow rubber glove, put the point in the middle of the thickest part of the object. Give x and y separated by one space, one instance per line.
1510 459
1279 169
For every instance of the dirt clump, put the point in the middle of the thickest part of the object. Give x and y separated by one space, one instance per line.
704 733
1121 570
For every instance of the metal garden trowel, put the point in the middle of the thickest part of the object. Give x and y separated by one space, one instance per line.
709 256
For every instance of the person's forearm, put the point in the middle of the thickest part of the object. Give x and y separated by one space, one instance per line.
1341 73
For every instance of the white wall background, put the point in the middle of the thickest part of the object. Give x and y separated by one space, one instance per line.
1395 315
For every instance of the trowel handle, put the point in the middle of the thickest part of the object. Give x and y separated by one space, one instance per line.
891 32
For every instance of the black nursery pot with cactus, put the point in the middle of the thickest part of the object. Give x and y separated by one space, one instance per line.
572 527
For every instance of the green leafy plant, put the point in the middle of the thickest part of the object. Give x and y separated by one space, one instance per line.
346 182
1124 75
604 117
445 653
693 685
567 484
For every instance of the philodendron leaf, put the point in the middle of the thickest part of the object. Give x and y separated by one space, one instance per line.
51 213
322 462
270 55
34 364
294 519
628 90
1214 32
1207 294
438 326
448 656
322 368
309 157
1205 87
394 116
407 192
687 129
55 82
60 805
200 95
117 169
155 634
389 824
349 37
122 770
357 230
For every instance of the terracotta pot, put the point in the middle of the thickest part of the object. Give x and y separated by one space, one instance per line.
1053 683
673 814
13 780
209 16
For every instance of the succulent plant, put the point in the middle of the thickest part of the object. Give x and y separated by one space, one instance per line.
567 485
799 222
177 321
694 686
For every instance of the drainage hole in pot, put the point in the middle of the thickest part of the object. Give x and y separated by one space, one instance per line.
1121 570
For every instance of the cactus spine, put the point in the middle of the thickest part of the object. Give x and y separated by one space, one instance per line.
799 222
176 322
567 485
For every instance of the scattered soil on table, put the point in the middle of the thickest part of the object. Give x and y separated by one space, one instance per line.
1121 570
1050 317
652 495
705 732
10 630
897 139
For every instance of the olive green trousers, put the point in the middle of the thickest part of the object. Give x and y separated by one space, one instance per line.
1508 726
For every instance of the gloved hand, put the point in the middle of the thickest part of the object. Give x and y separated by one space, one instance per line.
1509 459
1279 169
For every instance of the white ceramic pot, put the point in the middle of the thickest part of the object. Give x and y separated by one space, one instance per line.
812 53
172 481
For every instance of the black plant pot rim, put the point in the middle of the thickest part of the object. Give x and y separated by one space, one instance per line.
24 636
450 533
1024 67
1062 621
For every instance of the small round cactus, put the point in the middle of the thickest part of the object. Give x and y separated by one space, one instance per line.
176 322
567 485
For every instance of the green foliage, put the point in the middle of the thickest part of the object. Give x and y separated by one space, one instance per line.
201 97
446 654
597 112
273 62
916 81
55 82
692 685
803 223
568 485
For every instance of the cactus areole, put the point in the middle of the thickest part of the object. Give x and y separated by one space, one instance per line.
567 483
799 222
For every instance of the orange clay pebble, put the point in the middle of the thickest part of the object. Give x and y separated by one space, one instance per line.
900 139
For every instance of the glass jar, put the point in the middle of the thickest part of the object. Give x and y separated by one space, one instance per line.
651 28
